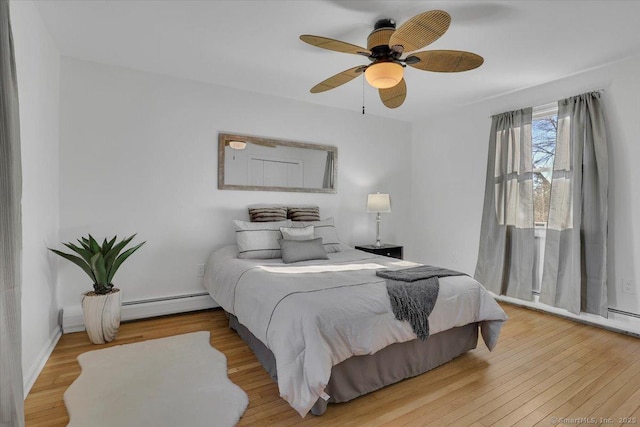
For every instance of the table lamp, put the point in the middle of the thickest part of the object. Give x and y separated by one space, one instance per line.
378 203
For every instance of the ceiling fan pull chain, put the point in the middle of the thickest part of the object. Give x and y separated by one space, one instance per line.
363 97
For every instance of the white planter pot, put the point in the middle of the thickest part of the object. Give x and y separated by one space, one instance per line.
101 315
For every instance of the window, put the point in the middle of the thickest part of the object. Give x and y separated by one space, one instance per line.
544 128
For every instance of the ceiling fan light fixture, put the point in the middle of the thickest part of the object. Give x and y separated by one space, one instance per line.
384 75
237 145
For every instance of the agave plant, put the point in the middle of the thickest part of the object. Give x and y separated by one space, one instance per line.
100 262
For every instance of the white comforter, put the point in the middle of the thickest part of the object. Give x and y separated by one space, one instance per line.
315 314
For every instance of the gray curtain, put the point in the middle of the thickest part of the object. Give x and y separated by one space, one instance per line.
11 391
327 180
575 273
505 257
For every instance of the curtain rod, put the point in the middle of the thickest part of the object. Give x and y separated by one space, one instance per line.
595 90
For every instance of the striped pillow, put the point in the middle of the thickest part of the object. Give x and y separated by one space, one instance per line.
268 214
259 240
303 213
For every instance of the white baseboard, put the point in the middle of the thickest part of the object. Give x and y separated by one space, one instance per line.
618 321
133 310
30 377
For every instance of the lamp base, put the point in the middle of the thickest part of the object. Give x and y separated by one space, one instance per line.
378 219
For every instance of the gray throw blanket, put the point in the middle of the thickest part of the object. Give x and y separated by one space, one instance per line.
413 293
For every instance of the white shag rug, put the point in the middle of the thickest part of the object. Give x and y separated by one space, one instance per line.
174 381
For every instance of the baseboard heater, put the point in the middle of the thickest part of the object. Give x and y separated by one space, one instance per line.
621 321
625 313
172 298
141 309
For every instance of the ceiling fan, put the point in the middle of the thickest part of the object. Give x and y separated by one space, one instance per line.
385 49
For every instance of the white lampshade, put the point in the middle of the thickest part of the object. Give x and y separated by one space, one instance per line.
378 203
384 75
238 145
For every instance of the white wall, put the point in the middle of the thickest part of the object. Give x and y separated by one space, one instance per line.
38 69
138 153
449 164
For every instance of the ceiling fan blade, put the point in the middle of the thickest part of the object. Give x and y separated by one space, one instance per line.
446 61
421 30
339 79
336 45
393 97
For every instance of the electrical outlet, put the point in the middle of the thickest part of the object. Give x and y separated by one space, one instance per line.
200 270
628 286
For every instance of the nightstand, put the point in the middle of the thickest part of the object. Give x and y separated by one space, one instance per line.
393 251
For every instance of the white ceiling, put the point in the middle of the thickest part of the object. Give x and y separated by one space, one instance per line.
254 45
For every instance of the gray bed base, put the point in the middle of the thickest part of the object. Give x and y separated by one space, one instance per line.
360 375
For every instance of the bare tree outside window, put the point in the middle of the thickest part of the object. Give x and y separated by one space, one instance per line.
544 130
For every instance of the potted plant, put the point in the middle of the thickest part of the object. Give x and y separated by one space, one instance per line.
101 308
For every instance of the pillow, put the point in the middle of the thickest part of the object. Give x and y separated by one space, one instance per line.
259 240
267 213
302 250
324 229
303 213
297 233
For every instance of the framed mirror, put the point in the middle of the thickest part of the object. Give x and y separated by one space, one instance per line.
263 164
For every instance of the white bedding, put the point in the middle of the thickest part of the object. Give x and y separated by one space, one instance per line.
312 318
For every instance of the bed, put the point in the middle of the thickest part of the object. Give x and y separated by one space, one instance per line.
324 328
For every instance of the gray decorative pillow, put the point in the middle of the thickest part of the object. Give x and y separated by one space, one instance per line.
302 250
324 229
267 213
259 240
303 213
297 233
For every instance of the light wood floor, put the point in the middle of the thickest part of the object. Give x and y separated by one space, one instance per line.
543 367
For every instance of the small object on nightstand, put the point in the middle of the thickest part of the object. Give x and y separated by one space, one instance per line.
393 251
